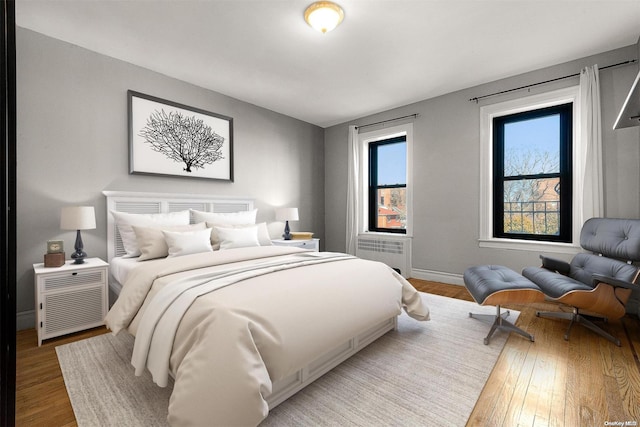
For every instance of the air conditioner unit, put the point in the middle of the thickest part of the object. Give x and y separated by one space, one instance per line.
393 251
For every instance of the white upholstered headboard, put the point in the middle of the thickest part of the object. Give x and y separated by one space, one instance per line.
145 203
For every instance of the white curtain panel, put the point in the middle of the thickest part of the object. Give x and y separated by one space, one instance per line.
353 208
591 133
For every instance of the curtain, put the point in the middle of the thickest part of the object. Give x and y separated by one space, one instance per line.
353 202
591 135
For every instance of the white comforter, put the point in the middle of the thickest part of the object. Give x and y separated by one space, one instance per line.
239 336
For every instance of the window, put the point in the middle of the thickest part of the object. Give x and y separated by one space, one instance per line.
515 193
532 174
388 185
385 189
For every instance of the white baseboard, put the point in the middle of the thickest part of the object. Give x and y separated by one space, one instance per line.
437 276
25 320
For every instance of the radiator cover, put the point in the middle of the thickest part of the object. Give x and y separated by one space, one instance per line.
393 251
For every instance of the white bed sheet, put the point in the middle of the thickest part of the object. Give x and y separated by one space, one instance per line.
231 345
120 268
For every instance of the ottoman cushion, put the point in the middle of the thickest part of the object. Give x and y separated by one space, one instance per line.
484 282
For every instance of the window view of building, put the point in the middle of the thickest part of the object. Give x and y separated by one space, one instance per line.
392 208
388 185
532 174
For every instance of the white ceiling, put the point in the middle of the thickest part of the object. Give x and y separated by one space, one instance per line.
385 54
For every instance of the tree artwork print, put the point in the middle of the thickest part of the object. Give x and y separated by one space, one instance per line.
185 140
170 139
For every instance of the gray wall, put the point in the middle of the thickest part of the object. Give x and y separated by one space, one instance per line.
72 145
446 168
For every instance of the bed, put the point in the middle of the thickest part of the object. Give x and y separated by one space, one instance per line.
243 327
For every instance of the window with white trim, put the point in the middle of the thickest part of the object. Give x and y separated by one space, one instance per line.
386 184
528 152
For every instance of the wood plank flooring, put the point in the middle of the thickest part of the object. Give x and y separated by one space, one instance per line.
586 381
41 396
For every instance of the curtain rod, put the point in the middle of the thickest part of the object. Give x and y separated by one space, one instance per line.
390 120
477 98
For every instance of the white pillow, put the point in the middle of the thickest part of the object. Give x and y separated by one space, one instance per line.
188 242
263 233
238 237
224 220
125 221
236 218
151 241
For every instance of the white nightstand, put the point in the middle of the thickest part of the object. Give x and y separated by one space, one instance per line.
70 298
313 244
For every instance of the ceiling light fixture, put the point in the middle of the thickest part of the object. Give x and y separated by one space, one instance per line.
324 16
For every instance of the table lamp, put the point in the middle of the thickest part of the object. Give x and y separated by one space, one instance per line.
78 218
287 214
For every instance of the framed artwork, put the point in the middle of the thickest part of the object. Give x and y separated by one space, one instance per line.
170 139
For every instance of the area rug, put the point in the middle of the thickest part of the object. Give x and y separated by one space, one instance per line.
423 374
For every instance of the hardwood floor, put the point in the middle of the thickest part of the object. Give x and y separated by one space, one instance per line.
41 397
586 381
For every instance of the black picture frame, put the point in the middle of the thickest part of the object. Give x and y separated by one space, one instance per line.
171 139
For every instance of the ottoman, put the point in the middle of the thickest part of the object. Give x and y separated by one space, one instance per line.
497 285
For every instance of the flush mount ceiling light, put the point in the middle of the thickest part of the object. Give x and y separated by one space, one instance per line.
323 16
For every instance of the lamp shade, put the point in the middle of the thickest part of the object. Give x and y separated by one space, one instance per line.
78 218
323 16
287 214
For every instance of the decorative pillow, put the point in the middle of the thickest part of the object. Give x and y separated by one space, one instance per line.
238 237
125 221
188 242
224 220
236 218
151 241
263 233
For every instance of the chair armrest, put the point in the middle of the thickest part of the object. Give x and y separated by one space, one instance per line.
598 278
554 264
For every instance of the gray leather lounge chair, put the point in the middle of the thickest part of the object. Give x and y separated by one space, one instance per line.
598 283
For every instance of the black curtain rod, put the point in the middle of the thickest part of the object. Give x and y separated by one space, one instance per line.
390 120
477 98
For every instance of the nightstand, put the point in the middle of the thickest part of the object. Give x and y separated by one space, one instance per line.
312 244
70 298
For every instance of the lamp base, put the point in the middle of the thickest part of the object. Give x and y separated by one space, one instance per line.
287 234
79 255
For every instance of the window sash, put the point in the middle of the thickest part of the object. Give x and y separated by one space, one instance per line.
374 187
565 178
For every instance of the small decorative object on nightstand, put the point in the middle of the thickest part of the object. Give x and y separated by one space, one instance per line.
55 254
287 214
55 246
71 298
78 218
301 235
312 244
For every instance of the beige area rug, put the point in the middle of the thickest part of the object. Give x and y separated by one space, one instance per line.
423 374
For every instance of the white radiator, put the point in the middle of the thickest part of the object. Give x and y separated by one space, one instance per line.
393 251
